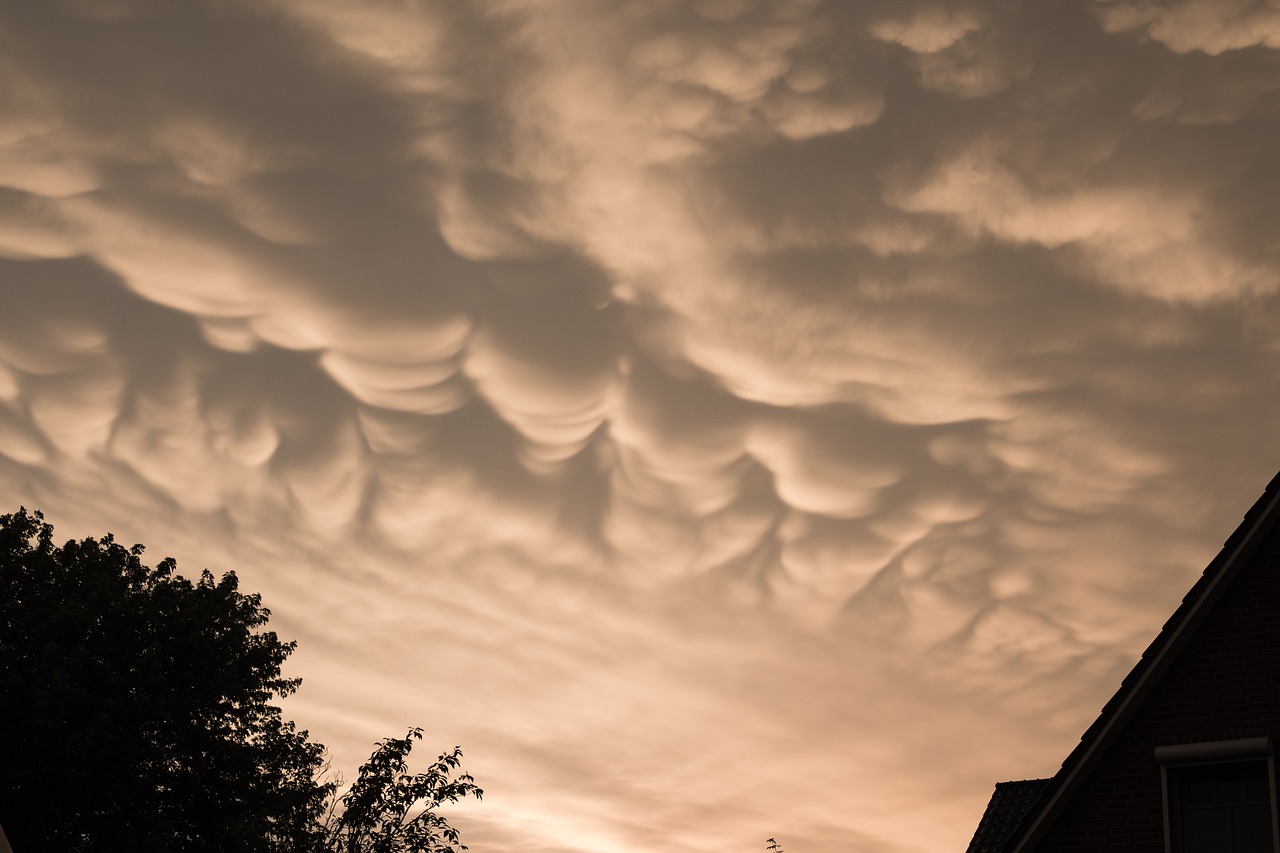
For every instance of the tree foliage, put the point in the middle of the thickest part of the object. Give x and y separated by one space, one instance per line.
387 810
136 713
137 705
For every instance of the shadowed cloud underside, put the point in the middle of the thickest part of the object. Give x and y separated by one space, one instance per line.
726 419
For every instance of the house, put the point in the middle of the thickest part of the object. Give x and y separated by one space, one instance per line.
1182 758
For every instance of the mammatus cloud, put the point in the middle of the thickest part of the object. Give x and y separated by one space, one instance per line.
662 399
1189 25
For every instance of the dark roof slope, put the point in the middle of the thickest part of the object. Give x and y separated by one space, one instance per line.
1141 680
1010 802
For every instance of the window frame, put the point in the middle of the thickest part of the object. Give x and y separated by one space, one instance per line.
1216 753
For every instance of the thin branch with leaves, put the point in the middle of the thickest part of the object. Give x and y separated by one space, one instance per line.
387 810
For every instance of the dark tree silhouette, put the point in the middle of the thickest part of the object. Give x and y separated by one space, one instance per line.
772 846
387 810
135 706
136 713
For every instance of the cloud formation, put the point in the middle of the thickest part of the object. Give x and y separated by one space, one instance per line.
715 390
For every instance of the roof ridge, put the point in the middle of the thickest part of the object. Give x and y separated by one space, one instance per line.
1150 667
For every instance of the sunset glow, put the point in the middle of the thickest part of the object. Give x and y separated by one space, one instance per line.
725 419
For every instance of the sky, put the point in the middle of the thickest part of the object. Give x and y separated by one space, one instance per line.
725 419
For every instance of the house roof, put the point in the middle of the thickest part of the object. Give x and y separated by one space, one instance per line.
1009 804
1142 679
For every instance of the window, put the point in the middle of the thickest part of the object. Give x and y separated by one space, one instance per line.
1219 797
1220 808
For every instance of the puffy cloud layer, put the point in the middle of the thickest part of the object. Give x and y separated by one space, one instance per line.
715 390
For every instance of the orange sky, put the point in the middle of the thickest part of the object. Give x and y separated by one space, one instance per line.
726 419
